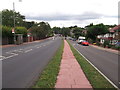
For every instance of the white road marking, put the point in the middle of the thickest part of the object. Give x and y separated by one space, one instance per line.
2 57
97 69
28 50
14 54
44 45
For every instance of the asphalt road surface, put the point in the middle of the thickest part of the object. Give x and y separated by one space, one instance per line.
22 64
106 62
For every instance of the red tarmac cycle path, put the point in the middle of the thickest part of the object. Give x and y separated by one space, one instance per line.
71 74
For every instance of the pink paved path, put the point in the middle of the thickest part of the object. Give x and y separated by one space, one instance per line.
71 74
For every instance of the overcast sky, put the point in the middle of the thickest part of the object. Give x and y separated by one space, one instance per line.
66 12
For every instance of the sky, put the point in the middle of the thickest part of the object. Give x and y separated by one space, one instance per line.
66 13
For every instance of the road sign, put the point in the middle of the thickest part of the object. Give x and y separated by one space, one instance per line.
13 31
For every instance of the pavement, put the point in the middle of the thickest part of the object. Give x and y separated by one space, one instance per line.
71 74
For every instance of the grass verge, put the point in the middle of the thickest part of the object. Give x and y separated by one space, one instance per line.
94 77
49 75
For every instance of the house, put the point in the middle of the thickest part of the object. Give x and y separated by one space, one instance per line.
113 36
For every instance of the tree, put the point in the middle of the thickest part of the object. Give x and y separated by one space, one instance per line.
95 30
56 30
8 18
77 32
65 31
42 30
29 24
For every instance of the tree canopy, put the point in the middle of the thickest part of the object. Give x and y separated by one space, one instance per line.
41 30
8 18
95 30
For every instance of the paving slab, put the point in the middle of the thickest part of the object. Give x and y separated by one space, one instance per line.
71 74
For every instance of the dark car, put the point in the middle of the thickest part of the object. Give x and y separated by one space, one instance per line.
74 39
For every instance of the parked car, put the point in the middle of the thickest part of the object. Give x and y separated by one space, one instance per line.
74 39
70 38
117 44
86 43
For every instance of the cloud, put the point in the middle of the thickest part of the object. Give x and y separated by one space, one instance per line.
54 17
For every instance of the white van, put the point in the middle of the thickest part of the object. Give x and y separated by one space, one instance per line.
80 39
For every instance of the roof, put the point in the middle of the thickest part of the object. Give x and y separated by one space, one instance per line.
114 28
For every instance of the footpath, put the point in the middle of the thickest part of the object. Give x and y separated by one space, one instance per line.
71 74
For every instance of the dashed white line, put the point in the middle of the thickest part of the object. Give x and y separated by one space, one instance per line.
28 50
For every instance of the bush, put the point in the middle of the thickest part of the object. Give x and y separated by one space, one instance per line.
110 46
117 47
7 35
98 43
6 31
21 30
106 43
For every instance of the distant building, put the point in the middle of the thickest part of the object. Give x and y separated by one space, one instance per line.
113 36
84 32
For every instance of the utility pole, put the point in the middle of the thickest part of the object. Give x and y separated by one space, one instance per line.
13 31
14 22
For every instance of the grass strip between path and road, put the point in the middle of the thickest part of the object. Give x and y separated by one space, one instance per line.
94 77
49 75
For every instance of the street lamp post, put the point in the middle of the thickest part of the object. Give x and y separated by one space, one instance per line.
14 21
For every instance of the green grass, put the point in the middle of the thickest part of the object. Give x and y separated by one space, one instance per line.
49 75
94 77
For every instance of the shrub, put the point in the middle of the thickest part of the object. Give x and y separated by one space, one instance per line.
117 47
106 43
21 30
98 43
110 46
6 31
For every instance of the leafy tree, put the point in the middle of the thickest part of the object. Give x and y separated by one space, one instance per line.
29 24
42 30
95 30
65 31
91 24
56 30
8 18
77 32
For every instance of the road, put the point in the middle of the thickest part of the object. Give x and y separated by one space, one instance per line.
22 64
106 62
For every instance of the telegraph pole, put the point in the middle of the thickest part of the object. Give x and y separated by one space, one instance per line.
14 22
13 30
